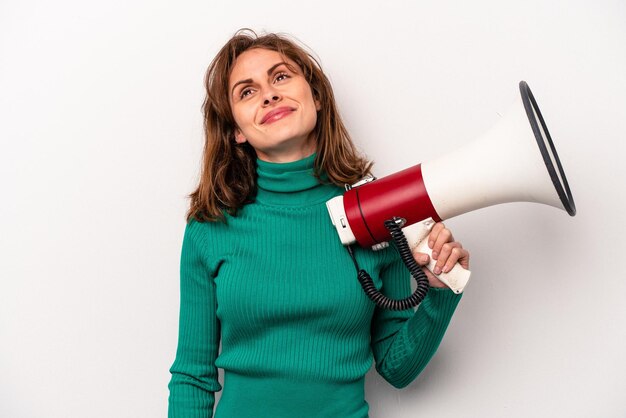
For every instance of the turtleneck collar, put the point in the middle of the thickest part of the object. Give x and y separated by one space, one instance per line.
291 184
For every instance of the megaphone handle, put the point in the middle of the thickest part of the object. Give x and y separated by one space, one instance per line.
416 234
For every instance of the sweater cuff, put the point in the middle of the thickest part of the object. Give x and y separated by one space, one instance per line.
434 314
442 300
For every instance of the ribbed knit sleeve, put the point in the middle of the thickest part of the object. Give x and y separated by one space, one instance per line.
194 375
404 341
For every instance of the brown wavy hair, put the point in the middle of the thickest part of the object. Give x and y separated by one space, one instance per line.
228 176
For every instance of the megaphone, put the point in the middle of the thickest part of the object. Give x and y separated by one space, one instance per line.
515 161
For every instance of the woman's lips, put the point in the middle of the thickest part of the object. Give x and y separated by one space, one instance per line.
276 114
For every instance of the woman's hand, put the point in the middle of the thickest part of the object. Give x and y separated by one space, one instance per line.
446 251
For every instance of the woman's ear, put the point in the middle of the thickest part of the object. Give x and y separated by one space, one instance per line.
239 137
316 99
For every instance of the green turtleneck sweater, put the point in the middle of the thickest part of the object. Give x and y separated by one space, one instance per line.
277 289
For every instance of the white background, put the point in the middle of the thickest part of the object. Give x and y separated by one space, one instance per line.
101 139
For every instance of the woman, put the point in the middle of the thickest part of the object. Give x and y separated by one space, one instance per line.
262 270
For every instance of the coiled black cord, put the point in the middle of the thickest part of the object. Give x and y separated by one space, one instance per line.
407 257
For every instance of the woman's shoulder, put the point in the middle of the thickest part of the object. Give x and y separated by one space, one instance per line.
204 232
203 227
209 239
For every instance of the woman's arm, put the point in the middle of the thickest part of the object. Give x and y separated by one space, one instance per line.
194 375
403 342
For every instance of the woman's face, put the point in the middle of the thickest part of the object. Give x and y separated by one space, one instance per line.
273 106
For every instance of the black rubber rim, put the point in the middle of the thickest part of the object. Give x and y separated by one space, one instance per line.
562 188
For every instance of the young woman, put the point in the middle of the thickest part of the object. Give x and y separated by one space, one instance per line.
263 272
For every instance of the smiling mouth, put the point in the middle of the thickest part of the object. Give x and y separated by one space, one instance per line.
276 114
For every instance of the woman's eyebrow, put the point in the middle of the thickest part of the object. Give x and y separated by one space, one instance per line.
249 80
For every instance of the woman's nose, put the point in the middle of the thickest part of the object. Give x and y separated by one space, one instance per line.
271 98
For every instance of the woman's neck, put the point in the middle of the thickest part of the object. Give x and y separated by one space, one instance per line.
292 183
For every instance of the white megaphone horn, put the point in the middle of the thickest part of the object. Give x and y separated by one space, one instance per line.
515 161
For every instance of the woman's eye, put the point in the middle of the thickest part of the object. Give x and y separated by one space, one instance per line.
281 76
245 93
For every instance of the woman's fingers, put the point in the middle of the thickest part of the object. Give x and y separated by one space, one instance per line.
457 254
438 236
445 250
